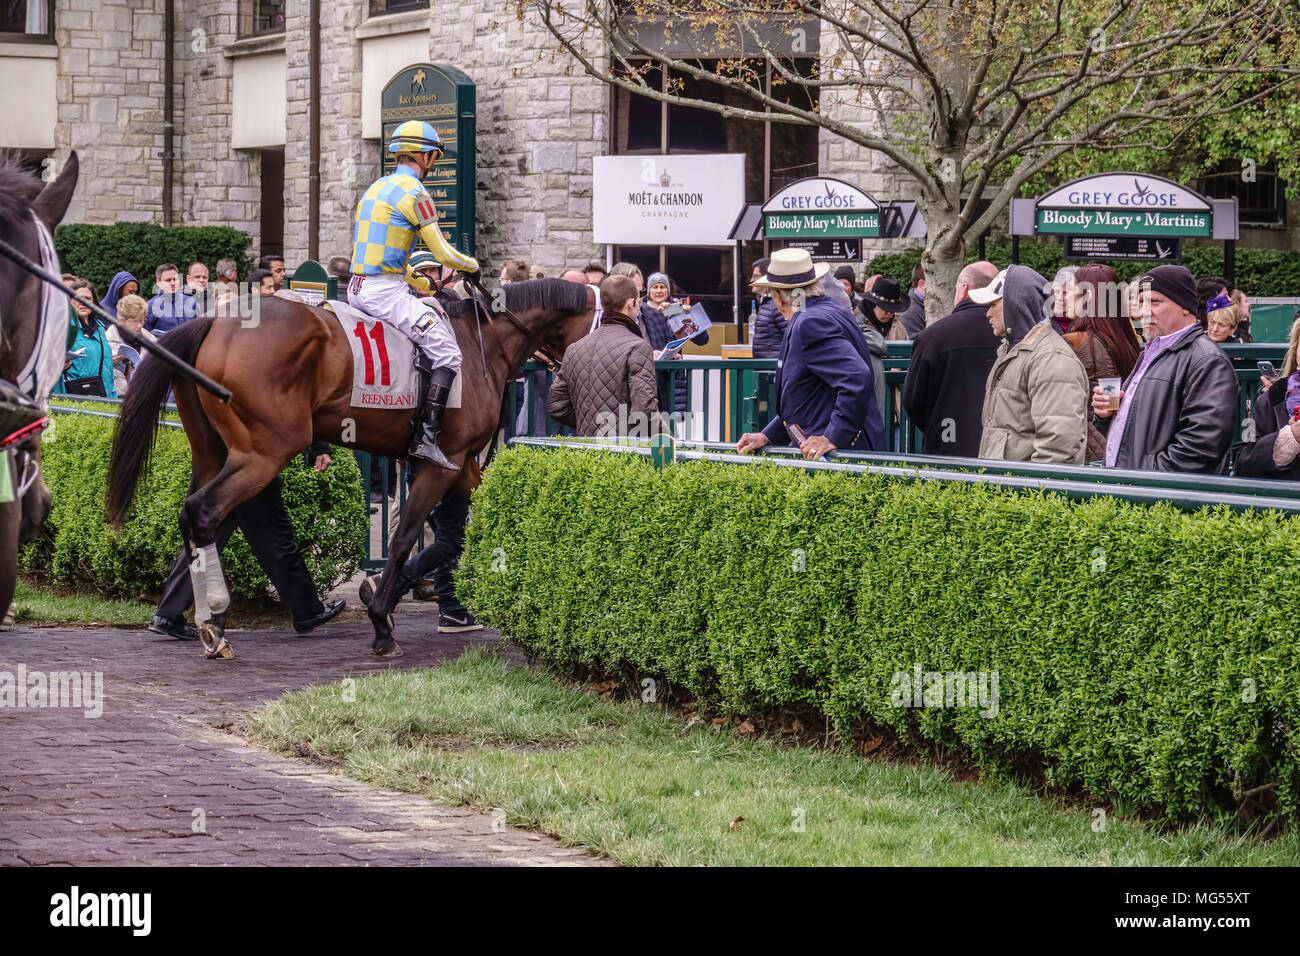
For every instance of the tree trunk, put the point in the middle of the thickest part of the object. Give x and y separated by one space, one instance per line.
943 258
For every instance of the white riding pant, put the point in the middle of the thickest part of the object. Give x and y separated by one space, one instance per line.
389 298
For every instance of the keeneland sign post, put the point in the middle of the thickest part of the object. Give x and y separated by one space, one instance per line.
1130 206
444 97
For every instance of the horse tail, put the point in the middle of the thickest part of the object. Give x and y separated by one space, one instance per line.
137 425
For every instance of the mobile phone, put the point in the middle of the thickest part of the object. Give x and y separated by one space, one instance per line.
1266 369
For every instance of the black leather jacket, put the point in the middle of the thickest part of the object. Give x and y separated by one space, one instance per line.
1184 413
1255 459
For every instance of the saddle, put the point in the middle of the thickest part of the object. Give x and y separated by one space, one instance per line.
388 371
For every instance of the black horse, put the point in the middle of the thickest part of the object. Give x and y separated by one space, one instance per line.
23 202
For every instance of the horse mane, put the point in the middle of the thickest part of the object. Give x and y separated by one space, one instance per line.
551 294
19 187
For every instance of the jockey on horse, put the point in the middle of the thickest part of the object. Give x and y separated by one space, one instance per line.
392 213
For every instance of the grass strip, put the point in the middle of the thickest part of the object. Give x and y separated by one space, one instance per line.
42 606
639 785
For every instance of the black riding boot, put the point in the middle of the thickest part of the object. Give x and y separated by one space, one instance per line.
425 444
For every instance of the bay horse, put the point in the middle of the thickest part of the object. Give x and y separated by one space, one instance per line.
290 376
27 208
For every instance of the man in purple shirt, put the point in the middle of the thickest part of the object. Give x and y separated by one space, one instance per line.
1178 408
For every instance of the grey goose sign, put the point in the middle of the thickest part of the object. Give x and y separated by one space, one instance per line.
1123 204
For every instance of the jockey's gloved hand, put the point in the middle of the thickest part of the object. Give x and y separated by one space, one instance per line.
418 282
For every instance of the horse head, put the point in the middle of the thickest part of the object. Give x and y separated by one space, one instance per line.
557 311
25 209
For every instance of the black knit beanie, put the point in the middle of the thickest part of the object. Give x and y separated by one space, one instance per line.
1175 283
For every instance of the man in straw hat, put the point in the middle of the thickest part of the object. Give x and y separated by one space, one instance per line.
824 382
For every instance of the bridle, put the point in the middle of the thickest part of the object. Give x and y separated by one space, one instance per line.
18 442
478 294
28 470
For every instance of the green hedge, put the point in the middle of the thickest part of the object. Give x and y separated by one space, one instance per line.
76 548
98 253
1165 682
1259 272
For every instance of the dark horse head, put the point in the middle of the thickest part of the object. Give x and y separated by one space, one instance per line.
23 202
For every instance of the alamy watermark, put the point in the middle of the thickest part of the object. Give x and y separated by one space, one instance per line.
919 688
79 690
123 910
626 423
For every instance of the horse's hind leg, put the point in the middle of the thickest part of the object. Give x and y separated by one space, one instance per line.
240 478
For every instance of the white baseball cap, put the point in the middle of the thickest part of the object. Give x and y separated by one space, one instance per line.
991 292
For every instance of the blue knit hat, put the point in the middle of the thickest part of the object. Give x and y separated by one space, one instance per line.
659 277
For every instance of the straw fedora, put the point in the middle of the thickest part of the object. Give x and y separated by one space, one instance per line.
791 269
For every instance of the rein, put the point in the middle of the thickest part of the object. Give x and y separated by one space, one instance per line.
553 356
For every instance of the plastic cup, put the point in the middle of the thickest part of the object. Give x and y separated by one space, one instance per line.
1111 388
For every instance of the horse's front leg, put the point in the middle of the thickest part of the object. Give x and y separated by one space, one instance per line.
427 489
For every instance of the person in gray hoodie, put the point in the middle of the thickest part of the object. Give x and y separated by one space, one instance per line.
1036 399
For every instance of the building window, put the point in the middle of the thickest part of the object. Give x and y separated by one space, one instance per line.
272 217
1260 201
776 154
257 17
380 7
31 20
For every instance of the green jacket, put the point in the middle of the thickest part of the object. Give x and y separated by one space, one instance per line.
98 359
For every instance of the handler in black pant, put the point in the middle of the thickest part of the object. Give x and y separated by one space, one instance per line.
267 528
439 561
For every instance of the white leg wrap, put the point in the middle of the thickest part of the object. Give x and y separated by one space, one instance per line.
218 596
199 582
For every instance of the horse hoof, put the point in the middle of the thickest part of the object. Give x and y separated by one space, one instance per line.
215 645
387 649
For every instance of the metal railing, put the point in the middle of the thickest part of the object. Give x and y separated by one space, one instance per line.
717 400
1188 493
66 404
724 398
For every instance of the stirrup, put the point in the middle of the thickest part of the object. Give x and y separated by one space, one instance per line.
433 455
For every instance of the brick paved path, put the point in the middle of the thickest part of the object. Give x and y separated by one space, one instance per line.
121 789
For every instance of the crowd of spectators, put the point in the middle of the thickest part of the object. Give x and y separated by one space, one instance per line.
1020 368
1081 369
100 364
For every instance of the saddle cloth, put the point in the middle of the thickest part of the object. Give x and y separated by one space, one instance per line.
383 362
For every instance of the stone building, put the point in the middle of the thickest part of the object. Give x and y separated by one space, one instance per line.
91 76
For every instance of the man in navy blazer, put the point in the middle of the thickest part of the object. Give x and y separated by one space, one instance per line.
824 380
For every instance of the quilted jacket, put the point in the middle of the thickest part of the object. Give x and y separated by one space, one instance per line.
769 330
611 369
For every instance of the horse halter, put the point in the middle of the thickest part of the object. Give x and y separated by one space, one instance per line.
26 458
553 356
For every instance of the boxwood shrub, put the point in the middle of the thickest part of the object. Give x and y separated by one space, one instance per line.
77 549
98 253
1146 656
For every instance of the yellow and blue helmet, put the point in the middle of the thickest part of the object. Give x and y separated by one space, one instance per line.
416 136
